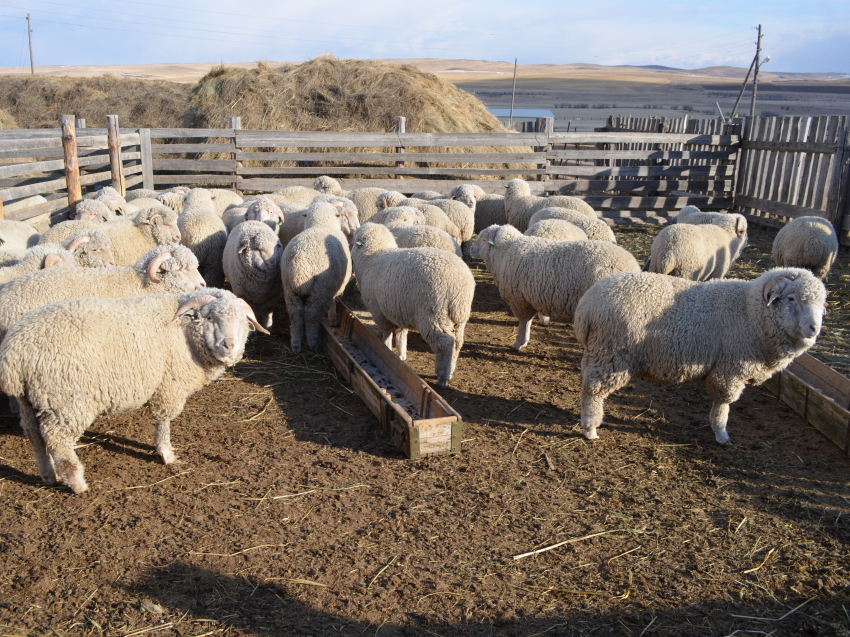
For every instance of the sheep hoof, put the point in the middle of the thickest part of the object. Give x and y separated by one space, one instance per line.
168 457
726 442
519 346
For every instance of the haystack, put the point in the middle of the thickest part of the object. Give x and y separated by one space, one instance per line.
38 101
328 94
6 120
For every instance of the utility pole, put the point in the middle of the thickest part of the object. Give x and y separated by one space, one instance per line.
756 75
29 34
513 94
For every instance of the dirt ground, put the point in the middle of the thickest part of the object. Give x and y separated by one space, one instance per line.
289 514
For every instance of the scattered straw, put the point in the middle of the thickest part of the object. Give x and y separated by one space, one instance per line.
571 541
152 484
250 548
296 495
763 562
378 574
149 629
778 619
306 582
524 431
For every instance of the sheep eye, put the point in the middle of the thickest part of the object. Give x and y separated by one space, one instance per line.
792 299
360 243
492 243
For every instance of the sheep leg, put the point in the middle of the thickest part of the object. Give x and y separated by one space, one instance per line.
401 342
544 320
387 329
723 389
525 313
29 423
443 345
295 308
313 324
593 395
718 417
456 347
13 405
163 442
466 250
264 317
60 446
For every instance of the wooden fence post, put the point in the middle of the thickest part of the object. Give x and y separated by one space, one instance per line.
147 158
545 126
80 123
72 166
400 123
236 124
116 166
2 216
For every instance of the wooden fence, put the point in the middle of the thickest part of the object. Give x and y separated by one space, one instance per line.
644 168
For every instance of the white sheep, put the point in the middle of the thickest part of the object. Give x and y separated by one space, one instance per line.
222 199
433 216
38 257
23 204
364 198
725 334
295 194
173 200
110 356
204 233
556 230
537 275
489 208
133 207
258 209
520 204
314 270
806 242
91 248
170 268
294 216
93 210
251 264
141 193
17 235
131 238
595 229
424 289
410 231
698 252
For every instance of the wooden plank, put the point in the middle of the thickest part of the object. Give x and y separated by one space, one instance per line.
42 153
794 147
164 149
642 171
210 165
135 180
658 203
408 186
192 179
778 208
643 138
147 160
193 133
115 163
478 158
15 170
34 145
29 213
825 174
299 139
382 170
824 378
637 185
642 154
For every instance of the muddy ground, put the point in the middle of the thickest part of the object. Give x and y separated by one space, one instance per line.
290 515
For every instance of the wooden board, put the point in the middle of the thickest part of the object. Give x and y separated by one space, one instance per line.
819 394
438 430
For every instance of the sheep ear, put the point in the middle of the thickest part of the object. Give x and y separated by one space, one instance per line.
338 204
52 260
741 226
774 289
242 249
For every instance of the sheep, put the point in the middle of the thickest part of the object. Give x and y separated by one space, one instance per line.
537 275
489 208
91 248
410 231
110 197
23 204
251 264
806 242
173 200
222 199
171 268
425 289
259 209
294 194
131 238
141 193
556 230
595 229
17 235
364 198
92 210
697 252
315 269
102 363
428 194
293 221
460 214
37 258
204 233
433 217
133 207
726 334
731 222
520 204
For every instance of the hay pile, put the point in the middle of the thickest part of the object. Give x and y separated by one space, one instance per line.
37 102
6 120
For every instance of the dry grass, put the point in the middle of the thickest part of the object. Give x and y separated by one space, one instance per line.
6 120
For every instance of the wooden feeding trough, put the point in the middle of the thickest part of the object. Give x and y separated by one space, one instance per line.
819 394
415 417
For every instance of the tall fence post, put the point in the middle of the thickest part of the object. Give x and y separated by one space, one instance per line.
400 123
236 124
147 158
80 123
116 166
72 166
545 126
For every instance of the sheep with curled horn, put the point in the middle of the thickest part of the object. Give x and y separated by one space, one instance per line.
175 345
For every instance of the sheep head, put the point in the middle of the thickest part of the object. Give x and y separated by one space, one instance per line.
161 223
259 247
372 238
172 268
795 300
173 200
390 199
328 185
404 216
265 210
464 194
93 210
517 188
91 248
219 323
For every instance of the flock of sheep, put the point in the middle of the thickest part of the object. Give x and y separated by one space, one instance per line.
123 287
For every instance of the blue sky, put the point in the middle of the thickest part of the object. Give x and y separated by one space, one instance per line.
799 36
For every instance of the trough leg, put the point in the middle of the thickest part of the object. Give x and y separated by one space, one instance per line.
29 423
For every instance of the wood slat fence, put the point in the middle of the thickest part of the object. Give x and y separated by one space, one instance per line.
633 168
